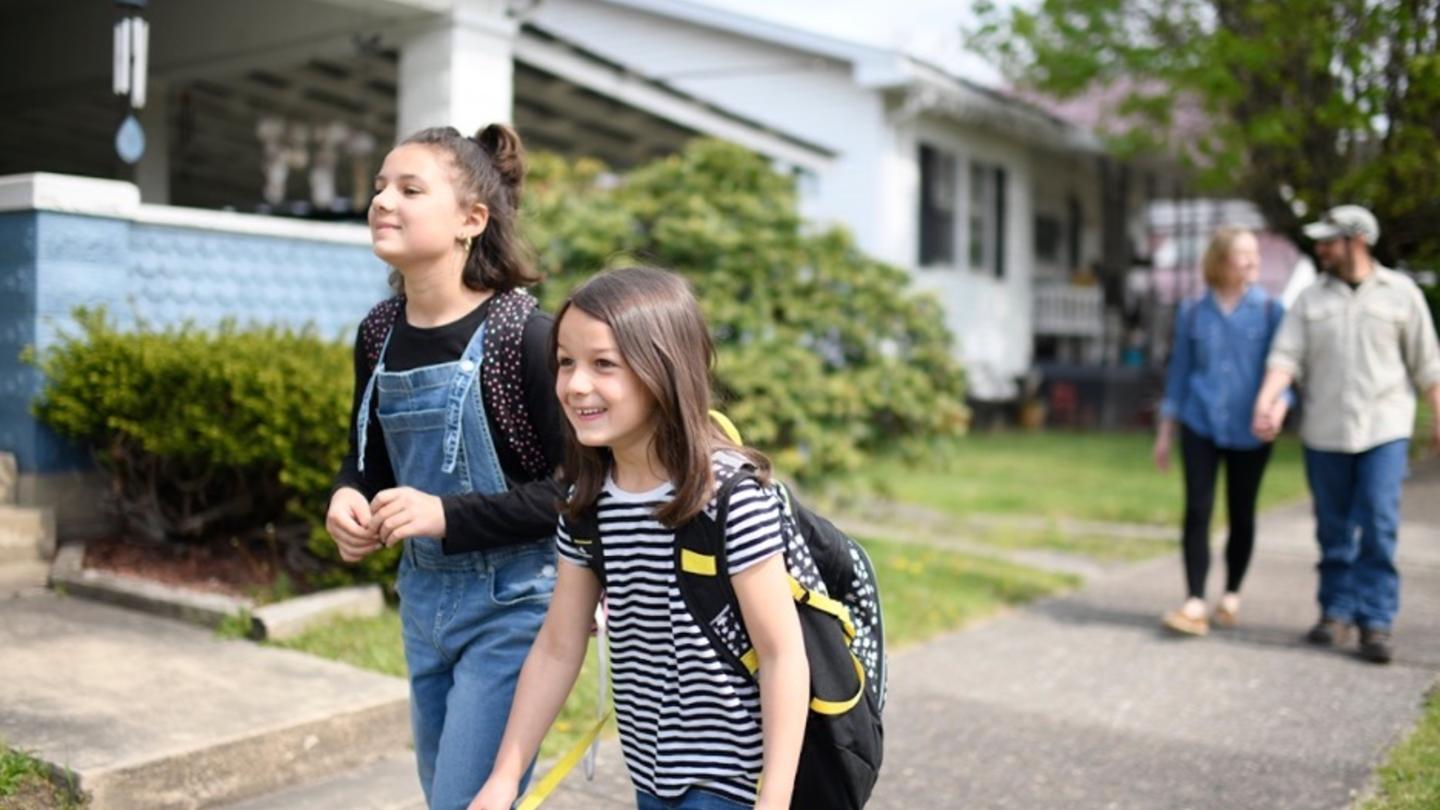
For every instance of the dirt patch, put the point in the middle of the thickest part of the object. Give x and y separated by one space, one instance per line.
231 567
36 793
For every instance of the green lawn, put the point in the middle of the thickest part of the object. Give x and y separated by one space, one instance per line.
1056 474
1410 777
924 592
1094 546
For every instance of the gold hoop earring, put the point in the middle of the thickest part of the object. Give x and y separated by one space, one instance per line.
466 242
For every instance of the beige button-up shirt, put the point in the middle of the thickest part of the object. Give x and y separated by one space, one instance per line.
1359 356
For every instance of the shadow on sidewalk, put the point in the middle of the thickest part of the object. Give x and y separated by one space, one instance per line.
1260 634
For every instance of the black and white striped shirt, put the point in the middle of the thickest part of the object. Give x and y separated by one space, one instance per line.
686 717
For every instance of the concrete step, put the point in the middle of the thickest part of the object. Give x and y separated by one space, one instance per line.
154 713
22 578
388 783
26 533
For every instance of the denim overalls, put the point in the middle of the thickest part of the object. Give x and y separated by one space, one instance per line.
468 619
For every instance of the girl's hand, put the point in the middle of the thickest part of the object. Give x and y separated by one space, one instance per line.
497 794
347 520
405 512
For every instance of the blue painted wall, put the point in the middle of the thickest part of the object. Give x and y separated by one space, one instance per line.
51 263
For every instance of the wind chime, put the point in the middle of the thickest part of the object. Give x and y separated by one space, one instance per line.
132 53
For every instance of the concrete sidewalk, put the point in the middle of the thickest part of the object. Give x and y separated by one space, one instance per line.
1083 701
153 713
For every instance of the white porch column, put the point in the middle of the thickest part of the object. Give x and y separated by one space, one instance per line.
152 173
459 71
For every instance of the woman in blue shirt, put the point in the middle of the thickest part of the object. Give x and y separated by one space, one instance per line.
1216 366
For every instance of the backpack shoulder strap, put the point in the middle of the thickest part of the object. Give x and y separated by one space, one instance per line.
503 378
376 328
585 534
701 566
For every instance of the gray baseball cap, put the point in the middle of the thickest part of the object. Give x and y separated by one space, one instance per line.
1345 220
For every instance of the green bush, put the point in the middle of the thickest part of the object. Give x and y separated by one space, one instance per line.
230 432
825 356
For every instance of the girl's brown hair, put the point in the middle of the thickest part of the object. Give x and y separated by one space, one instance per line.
661 334
488 168
1217 253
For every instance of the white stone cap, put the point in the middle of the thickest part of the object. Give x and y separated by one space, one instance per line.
117 199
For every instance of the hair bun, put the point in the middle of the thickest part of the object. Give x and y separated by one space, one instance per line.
507 153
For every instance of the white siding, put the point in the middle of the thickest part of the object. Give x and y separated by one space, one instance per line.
990 317
800 94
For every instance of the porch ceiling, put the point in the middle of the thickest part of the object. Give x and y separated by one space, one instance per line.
215 77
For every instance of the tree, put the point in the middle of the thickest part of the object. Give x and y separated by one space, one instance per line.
1300 104
824 355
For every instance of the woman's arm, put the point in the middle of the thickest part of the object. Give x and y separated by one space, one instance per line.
768 609
545 681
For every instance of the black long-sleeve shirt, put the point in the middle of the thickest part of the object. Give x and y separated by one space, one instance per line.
523 513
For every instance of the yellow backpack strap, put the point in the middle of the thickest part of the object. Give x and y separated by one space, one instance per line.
727 427
542 790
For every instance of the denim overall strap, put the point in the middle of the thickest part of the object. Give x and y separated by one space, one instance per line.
459 389
362 419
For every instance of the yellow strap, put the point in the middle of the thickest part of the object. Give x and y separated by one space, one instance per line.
727 427
695 563
557 774
840 707
824 604
751 660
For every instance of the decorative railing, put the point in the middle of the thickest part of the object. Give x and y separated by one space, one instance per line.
1064 310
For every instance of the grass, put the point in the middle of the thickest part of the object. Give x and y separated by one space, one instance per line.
372 644
26 782
1410 777
1094 546
925 592
1059 475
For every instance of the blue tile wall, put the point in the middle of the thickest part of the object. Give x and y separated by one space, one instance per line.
163 276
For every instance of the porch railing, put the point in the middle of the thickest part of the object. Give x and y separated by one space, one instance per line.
1065 310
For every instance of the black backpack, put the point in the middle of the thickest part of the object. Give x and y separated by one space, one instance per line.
839 606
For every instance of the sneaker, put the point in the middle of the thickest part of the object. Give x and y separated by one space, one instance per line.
1225 617
1330 633
1375 645
1184 624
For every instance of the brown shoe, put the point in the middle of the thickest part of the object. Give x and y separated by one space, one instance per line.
1330 633
1375 645
1178 621
1225 618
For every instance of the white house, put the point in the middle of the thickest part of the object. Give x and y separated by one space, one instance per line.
991 202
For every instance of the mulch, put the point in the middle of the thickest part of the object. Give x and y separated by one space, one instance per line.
227 566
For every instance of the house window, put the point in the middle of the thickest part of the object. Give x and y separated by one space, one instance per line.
937 206
1047 238
987 218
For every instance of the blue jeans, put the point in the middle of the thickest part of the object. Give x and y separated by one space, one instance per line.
1357 516
468 622
692 799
